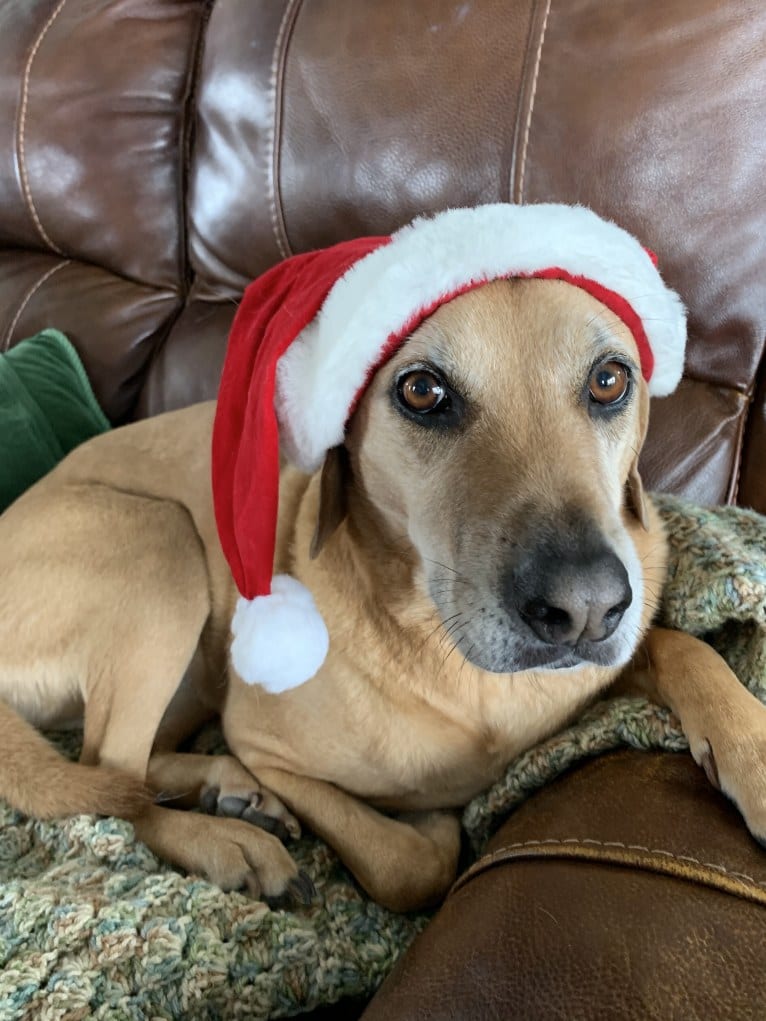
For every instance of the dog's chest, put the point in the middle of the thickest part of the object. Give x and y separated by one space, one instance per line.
439 764
396 757
409 752
444 755
422 755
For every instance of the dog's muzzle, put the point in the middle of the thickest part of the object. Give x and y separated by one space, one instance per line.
563 596
568 598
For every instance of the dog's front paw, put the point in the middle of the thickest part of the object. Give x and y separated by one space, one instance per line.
248 860
735 763
229 852
233 792
724 722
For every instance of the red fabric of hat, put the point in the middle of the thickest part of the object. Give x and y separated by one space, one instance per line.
274 310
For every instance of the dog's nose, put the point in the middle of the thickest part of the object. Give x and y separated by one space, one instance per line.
565 601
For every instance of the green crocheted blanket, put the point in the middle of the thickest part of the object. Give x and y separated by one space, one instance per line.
92 925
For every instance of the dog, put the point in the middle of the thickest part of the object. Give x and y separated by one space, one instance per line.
485 558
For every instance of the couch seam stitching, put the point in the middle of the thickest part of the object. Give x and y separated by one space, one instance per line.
744 446
569 841
187 119
739 450
533 94
522 107
21 133
186 269
276 85
27 298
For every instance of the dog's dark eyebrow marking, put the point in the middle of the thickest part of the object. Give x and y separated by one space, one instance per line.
436 353
445 365
602 337
605 343
448 369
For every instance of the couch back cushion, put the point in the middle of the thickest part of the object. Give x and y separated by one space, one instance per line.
92 226
173 151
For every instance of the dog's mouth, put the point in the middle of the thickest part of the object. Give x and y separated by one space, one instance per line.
515 655
502 643
567 658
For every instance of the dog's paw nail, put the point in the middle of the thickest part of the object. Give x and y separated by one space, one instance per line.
256 799
208 800
266 822
708 763
303 888
293 828
299 889
232 806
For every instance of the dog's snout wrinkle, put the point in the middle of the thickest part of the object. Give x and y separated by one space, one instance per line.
569 600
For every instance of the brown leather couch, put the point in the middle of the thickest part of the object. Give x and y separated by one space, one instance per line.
155 155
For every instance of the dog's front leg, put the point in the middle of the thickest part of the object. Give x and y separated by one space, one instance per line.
403 865
724 723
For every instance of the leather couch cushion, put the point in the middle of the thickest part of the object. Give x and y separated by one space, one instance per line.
95 117
115 323
155 155
91 124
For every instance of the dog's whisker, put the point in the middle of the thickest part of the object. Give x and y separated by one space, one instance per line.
163 796
453 628
455 575
449 580
650 553
466 660
438 563
458 625
454 644
439 626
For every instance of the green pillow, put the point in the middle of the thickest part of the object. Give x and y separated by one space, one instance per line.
46 409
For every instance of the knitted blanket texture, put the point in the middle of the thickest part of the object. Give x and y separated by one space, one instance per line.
92 925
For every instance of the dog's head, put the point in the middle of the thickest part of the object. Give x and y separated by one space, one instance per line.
496 451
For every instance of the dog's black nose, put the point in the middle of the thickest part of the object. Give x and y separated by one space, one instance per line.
571 598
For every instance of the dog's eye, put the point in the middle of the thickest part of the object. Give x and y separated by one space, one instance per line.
608 383
422 392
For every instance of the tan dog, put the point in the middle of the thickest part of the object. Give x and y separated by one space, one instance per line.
484 558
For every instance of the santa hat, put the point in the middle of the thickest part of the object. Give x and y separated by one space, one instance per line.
309 336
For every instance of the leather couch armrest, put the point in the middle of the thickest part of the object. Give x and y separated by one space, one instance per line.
628 889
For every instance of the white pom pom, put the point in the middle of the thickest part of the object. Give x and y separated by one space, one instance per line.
279 641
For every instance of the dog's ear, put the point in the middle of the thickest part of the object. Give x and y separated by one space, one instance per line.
333 503
636 499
